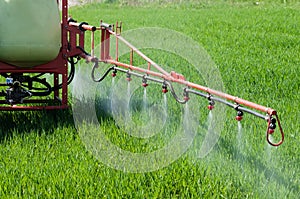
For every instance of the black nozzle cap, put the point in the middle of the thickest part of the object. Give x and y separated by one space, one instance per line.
240 113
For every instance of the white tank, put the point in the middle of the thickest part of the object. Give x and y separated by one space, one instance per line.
30 32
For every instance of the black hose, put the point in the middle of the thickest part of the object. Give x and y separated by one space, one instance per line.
70 76
80 48
43 82
39 75
47 87
103 76
174 94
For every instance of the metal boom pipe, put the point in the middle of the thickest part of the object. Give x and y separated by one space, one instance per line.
169 77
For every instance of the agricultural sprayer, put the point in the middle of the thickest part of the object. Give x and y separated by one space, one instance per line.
35 41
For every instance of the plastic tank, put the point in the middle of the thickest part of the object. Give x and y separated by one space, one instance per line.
30 32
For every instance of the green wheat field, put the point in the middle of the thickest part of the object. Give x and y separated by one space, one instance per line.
256 48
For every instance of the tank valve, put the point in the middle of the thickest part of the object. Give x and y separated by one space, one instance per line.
16 93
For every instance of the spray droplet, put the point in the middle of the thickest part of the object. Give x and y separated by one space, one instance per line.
239 138
111 93
186 116
210 138
239 135
128 96
145 103
113 82
165 101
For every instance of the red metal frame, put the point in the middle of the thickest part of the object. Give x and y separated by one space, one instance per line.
58 67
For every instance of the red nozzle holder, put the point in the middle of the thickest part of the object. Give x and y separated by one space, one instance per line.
164 88
210 107
272 127
128 77
185 95
144 85
114 74
211 104
239 118
271 131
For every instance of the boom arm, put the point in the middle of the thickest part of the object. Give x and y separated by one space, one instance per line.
167 79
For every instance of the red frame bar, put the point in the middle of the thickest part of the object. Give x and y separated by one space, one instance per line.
168 76
102 47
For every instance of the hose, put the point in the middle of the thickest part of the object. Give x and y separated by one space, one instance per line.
47 89
70 76
183 101
103 76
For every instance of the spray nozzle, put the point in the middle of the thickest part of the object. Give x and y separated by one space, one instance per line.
114 73
128 77
239 115
164 88
211 104
144 82
185 95
272 126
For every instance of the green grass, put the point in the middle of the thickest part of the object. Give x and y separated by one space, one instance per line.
256 49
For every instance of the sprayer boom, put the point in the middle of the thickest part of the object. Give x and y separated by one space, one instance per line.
167 79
